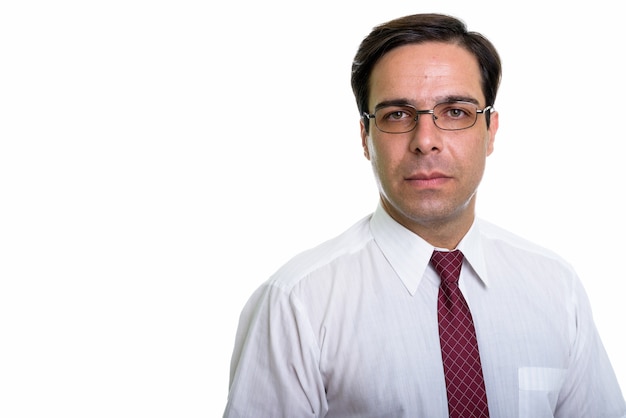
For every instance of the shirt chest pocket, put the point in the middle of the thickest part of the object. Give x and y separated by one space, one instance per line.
539 391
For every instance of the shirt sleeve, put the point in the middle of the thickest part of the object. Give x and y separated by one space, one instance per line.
591 388
275 364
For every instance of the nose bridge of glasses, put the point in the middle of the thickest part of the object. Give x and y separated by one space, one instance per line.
425 112
418 113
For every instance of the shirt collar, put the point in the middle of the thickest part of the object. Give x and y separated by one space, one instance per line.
472 248
409 254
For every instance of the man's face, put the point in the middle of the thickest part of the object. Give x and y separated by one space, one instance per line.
428 177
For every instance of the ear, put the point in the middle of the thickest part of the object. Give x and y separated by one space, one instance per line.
364 138
493 128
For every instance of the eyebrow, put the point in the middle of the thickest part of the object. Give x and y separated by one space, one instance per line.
443 99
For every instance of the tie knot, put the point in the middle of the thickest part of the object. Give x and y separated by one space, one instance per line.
448 264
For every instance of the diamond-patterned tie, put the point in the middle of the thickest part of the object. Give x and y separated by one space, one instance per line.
461 362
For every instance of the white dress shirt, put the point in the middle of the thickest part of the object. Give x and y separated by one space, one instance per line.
349 329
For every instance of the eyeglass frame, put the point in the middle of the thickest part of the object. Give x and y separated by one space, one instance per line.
487 111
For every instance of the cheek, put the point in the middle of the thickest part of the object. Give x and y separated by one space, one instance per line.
381 155
471 158
477 160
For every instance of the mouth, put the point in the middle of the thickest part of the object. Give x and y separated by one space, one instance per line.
428 180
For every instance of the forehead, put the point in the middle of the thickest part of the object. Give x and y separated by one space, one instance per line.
426 73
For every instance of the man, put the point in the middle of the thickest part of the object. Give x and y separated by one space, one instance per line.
360 326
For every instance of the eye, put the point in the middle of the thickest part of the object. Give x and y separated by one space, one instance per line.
457 113
395 114
453 116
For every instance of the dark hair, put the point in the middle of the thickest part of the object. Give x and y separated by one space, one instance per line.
421 28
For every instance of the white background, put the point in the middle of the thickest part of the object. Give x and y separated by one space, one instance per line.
160 159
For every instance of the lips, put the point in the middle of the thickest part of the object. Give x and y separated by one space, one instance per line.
428 180
427 176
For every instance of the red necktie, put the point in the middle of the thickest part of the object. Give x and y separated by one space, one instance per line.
461 362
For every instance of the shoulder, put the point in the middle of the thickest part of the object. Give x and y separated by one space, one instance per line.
344 246
501 242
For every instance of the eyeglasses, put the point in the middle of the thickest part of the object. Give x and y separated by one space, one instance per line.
448 116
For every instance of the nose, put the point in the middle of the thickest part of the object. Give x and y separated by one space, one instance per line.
426 137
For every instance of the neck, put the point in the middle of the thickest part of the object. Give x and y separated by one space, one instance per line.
444 235
442 232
